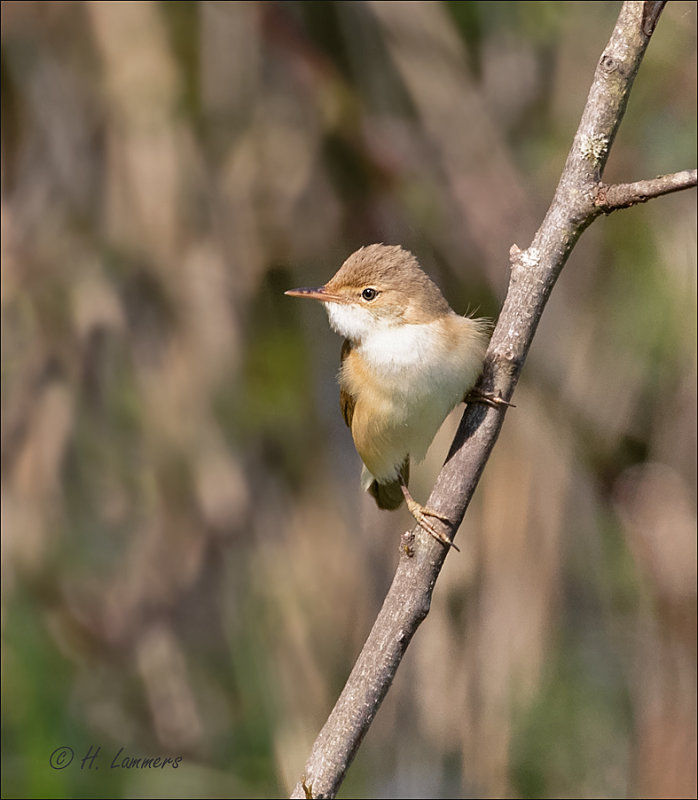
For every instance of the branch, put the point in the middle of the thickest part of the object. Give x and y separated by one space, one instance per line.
624 195
533 275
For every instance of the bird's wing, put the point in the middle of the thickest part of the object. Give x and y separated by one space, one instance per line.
389 493
346 401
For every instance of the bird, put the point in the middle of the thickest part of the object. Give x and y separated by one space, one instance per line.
406 361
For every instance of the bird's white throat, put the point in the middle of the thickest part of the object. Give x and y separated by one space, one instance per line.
442 357
387 345
350 320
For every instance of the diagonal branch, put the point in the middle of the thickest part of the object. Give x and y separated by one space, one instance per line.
623 195
533 275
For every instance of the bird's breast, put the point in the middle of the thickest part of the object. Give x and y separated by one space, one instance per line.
443 357
405 380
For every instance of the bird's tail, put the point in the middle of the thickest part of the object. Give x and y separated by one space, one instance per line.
388 495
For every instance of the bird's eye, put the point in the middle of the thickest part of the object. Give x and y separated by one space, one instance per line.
369 293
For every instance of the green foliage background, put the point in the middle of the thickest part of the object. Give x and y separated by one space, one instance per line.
189 566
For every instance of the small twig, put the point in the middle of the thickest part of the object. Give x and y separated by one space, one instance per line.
623 195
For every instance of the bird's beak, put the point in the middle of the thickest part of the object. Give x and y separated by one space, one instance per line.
317 293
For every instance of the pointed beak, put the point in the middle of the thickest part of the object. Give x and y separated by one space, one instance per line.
317 293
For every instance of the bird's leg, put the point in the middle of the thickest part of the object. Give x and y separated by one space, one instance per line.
420 513
492 400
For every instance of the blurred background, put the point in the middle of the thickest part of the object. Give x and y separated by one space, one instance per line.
189 565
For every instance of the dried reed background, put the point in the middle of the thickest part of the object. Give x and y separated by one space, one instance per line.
189 567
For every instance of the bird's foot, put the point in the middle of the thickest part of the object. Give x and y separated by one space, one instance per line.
492 400
420 513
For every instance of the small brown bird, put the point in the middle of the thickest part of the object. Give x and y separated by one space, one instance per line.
407 360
